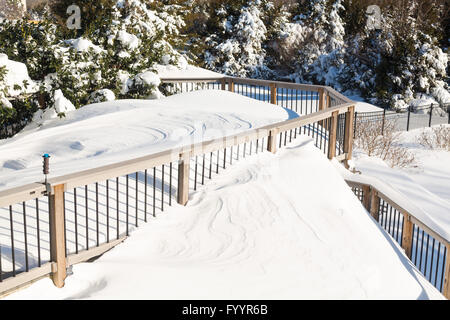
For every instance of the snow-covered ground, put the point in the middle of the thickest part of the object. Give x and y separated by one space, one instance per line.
268 227
362 106
427 185
109 132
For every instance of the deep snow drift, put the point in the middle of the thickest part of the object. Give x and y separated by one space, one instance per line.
109 132
268 227
426 186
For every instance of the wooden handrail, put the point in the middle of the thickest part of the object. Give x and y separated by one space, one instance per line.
266 83
101 173
375 194
400 208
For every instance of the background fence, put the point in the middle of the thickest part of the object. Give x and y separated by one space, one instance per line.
410 119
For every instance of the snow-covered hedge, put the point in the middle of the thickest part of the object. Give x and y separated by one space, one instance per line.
121 42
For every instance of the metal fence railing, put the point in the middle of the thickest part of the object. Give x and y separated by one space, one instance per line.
410 119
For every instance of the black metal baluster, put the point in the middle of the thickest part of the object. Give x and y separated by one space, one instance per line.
76 218
421 252
117 207
170 184
107 210
13 257
217 164
65 229
38 230
154 191
145 194
417 244
231 155
127 205
426 256
443 267
162 188
203 170
25 235
87 215
431 261
224 157
96 212
210 165
137 199
1 271
195 174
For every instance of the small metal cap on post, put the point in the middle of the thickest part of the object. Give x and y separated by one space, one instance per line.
46 166
46 170
46 158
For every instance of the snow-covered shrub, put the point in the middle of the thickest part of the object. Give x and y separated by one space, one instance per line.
143 86
117 38
17 92
378 139
435 138
102 95
60 108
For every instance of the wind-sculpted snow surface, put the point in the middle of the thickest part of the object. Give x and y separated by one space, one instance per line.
282 226
109 132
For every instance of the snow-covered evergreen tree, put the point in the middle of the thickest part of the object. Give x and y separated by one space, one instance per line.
237 47
398 62
321 49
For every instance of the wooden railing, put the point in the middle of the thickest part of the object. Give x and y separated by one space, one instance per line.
99 206
406 225
83 214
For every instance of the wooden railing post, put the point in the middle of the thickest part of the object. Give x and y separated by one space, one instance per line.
375 205
348 142
322 103
231 85
223 84
333 134
183 180
407 234
446 288
273 93
272 141
322 99
57 240
366 197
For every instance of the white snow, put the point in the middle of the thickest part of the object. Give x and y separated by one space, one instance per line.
262 229
83 45
426 187
16 75
362 106
129 129
128 40
61 108
186 72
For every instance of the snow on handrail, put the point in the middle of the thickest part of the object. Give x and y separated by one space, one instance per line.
396 199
